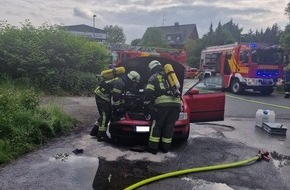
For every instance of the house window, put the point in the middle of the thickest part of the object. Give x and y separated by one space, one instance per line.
177 38
168 37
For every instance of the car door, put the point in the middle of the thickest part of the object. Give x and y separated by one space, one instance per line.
205 100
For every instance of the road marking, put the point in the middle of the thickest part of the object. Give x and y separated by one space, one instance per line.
257 102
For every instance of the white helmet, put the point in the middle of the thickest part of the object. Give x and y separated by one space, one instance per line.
154 64
134 76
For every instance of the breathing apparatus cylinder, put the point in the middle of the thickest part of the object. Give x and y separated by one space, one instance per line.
111 73
172 78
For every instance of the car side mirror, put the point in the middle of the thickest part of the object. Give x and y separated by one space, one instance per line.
193 91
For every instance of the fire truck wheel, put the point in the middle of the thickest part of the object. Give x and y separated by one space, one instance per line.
236 87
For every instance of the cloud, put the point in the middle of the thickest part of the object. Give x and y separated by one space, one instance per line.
83 13
136 15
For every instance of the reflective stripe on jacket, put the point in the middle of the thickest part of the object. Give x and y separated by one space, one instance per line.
157 90
111 88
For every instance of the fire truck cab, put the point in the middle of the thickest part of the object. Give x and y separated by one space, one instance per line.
255 66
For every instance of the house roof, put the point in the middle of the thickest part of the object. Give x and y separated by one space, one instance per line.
84 28
178 34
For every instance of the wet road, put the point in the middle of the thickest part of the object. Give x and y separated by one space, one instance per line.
55 166
114 166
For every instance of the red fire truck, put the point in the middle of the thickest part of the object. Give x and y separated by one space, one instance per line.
255 66
123 54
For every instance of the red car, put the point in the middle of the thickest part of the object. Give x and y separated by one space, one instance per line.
201 101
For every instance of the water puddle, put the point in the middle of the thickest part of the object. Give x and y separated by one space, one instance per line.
214 186
212 130
220 127
280 160
206 185
80 169
119 174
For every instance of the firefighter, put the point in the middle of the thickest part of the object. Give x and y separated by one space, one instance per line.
287 81
165 109
108 99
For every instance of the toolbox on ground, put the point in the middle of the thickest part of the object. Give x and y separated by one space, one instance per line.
274 128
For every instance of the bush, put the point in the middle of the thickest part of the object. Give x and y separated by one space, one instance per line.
49 58
78 83
24 124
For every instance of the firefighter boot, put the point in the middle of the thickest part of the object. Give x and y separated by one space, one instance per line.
102 136
164 150
95 130
152 150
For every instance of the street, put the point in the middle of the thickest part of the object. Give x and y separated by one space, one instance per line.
245 106
114 166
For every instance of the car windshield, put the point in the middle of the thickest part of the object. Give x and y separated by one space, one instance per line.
210 84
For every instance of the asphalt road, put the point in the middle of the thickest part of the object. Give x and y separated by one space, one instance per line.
114 166
245 106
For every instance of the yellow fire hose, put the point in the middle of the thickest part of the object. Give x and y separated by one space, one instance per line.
258 157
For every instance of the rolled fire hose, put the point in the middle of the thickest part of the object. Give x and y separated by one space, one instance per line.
200 169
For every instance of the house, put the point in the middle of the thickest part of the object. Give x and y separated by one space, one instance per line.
177 35
87 31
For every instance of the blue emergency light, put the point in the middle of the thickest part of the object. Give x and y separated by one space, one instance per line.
253 45
267 73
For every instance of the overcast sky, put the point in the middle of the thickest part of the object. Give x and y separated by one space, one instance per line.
134 16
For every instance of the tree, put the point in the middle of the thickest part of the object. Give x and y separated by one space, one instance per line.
285 36
115 34
193 49
223 34
287 10
135 42
153 37
285 39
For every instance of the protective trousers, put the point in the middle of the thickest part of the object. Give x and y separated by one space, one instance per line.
105 111
163 121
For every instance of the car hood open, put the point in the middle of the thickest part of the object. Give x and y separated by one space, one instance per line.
140 65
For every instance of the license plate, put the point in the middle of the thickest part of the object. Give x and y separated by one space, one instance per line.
142 129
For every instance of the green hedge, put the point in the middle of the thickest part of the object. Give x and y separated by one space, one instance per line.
50 58
24 124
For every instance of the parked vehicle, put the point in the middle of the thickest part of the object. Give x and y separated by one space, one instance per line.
122 54
255 66
201 101
191 73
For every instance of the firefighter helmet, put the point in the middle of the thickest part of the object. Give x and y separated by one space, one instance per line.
154 64
134 76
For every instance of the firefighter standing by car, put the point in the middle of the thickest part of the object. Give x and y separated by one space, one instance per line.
165 111
287 81
108 99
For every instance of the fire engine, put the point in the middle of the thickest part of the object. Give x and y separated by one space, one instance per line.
255 66
123 54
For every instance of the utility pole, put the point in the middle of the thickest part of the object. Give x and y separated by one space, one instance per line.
163 19
94 33
94 18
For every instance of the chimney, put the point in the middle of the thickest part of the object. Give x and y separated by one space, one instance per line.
176 24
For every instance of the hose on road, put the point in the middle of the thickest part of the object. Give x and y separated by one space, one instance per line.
258 157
